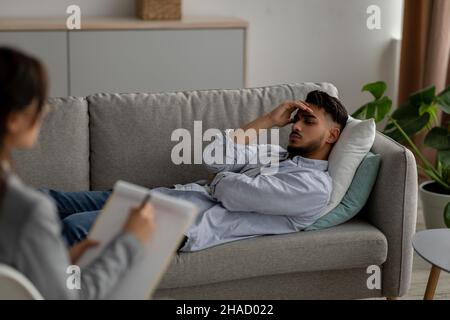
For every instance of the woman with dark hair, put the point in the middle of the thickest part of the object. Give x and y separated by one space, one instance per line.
30 229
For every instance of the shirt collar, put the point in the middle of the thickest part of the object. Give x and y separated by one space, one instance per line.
311 163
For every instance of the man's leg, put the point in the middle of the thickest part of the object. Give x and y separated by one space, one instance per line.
76 226
69 203
78 211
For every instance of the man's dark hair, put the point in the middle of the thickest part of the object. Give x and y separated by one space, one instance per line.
330 104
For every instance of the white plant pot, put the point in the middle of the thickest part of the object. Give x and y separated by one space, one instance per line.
433 207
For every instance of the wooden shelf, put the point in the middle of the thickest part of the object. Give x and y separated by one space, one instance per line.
119 23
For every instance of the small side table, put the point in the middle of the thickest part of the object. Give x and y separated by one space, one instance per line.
434 247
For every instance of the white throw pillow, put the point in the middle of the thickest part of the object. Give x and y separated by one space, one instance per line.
354 143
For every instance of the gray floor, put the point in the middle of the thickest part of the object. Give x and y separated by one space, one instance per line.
421 270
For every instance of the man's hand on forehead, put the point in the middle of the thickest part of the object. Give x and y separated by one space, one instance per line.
304 106
281 115
300 108
299 105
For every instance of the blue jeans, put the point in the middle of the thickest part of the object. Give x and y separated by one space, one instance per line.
78 211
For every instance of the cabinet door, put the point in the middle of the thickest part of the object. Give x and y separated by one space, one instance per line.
155 60
50 47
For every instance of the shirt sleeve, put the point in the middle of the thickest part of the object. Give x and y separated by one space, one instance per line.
223 155
290 194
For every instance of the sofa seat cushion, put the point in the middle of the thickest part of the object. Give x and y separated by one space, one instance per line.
353 244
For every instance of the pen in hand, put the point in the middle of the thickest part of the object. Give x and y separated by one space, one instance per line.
144 202
141 220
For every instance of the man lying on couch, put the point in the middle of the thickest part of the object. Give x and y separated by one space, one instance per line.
241 201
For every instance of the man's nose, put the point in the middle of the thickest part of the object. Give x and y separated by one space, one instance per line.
297 126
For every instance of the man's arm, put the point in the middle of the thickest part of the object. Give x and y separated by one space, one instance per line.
239 140
291 194
278 117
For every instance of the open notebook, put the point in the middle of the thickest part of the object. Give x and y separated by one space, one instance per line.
172 218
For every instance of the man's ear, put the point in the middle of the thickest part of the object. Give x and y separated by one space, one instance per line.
335 132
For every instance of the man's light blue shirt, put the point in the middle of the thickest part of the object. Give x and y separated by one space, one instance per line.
243 202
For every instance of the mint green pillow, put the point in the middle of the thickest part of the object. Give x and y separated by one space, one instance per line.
356 196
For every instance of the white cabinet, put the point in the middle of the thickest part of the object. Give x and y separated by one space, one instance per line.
130 55
158 60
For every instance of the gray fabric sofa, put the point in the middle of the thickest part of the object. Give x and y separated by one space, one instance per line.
87 143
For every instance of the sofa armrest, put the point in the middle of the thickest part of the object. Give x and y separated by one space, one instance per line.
392 208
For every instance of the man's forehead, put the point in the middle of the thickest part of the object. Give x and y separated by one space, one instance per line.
317 112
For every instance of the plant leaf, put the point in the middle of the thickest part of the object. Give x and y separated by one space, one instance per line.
439 167
410 123
406 111
370 113
360 113
445 174
409 114
432 110
447 215
377 110
443 100
377 89
383 107
438 138
444 163
444 158
424 96
434 177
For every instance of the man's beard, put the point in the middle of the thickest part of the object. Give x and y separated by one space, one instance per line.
304 151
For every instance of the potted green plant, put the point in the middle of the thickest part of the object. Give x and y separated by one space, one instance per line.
419 114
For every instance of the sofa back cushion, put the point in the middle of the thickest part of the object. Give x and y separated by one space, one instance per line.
130 134
60 159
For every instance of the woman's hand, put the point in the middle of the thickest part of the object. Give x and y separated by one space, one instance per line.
77 250
140 222
281 115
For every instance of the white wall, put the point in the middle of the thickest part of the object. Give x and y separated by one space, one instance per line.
288 40
315 40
